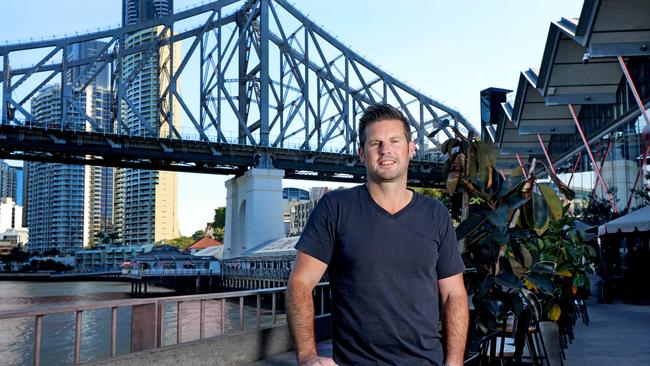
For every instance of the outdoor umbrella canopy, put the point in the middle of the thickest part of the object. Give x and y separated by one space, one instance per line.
638 220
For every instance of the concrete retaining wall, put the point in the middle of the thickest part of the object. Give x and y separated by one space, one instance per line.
235 349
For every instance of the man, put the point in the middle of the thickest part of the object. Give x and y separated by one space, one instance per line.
392 259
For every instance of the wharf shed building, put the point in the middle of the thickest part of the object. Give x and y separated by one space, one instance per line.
591 90
264 266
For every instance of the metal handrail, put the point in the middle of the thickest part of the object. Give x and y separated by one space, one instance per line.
160 303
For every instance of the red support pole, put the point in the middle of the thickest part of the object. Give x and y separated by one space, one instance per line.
636 181
630 82
548 158
591 156
602 161
639 103
523 170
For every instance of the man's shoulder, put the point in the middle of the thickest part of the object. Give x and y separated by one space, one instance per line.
343 195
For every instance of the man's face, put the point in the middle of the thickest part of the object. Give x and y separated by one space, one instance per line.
386 152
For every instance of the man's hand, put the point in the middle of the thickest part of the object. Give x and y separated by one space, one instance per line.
317 361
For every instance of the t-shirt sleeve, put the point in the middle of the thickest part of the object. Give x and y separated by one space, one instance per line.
317 239
450 261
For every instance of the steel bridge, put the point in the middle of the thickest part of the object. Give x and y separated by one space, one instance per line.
275 90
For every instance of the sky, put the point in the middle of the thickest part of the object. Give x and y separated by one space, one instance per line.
448 50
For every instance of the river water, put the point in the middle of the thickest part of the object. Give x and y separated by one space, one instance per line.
57 341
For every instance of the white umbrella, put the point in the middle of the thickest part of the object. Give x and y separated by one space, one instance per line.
638 220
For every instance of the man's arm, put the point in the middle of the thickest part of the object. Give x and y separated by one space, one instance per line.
455 318
300 308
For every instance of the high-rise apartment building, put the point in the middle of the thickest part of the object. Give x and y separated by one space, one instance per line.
136 11
10 214
68 205
145 200
8 181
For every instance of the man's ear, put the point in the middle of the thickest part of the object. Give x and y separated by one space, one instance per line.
411 149
361 155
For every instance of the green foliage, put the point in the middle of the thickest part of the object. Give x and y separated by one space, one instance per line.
562 247
198 235
15 255
182 242
512 236
48 265
219 233
598 210
219 220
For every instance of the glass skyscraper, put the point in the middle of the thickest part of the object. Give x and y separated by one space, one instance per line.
68 205
145 200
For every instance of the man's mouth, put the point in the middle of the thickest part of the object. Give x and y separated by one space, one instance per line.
386 162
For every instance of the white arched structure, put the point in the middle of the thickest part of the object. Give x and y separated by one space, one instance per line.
253 210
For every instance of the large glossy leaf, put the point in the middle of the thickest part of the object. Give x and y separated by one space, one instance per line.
455 173
517 268
452 181
487 154
448 145
554 313
498 217
464 146
447 167
497 182
510 186
468 226
541 282
552 201
508 281
579 280
566 191
540 214
500 235
516 200
528 258
545 267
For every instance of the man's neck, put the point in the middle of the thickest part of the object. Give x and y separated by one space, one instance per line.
391 196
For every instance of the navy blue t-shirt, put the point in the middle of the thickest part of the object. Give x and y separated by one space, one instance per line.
383 270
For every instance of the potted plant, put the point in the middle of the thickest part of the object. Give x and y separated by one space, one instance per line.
517 239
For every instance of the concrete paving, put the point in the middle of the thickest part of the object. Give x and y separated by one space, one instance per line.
618 334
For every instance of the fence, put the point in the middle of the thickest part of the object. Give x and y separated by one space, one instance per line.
151 317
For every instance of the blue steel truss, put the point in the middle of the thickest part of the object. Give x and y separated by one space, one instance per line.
275 90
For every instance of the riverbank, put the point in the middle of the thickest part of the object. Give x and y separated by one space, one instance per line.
51 277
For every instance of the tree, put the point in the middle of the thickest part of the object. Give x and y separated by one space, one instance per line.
182 242
51 252
198 235
219 234
219 220
517 238
598 210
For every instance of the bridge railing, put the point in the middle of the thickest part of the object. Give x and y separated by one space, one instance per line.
155 321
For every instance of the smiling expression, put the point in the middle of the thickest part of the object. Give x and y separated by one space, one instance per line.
387 152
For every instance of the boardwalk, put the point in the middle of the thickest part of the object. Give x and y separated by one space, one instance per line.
618 334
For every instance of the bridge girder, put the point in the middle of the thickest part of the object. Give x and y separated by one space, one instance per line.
270 80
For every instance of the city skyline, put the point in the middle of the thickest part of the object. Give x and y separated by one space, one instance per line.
453 41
